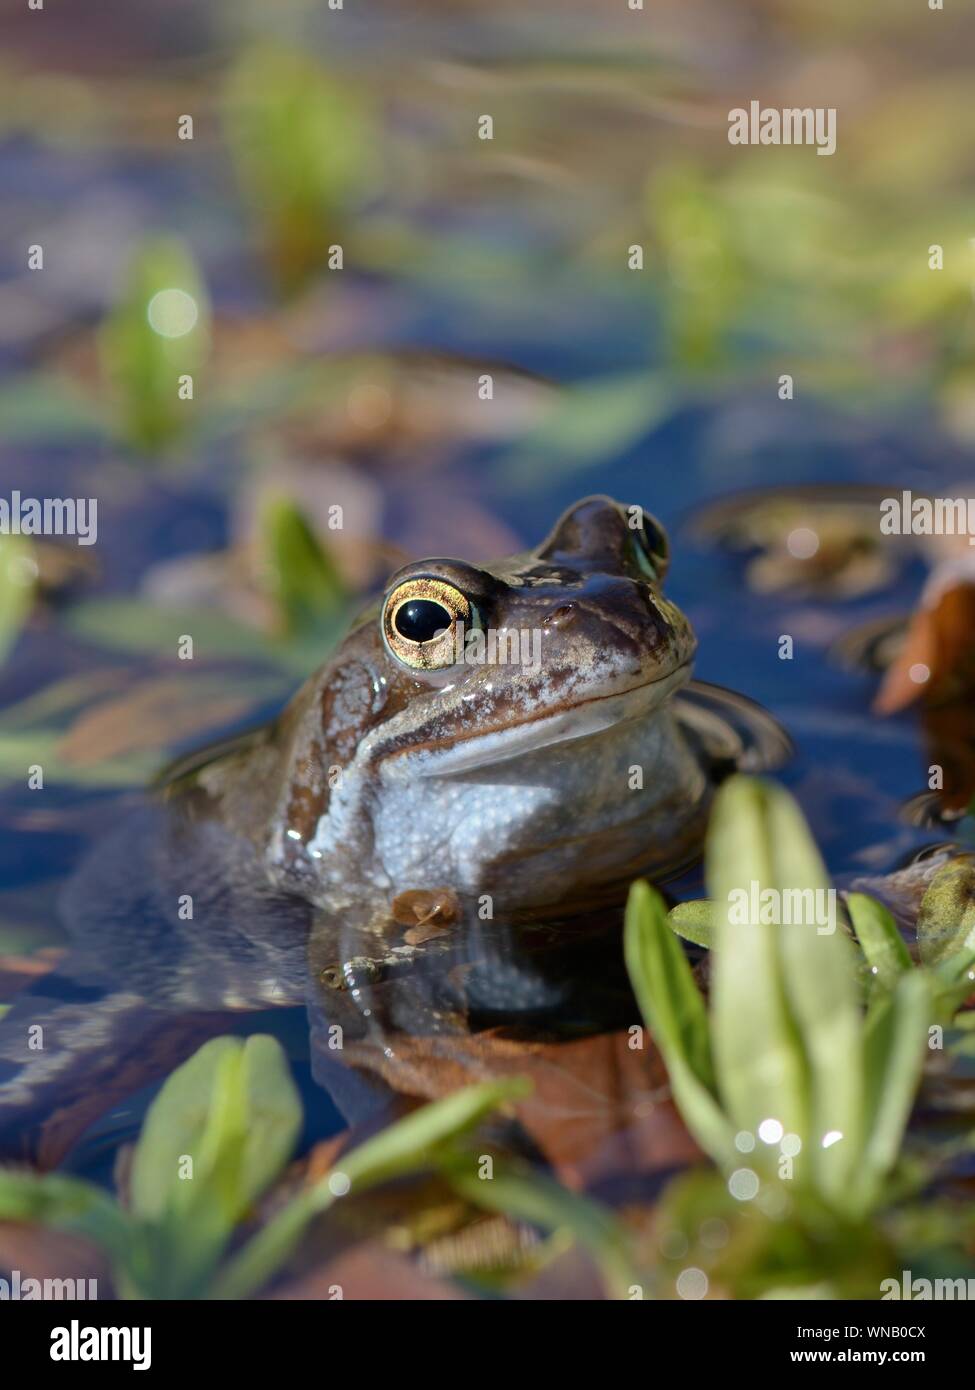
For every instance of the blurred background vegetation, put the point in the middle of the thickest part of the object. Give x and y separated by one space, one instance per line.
334 259
275 328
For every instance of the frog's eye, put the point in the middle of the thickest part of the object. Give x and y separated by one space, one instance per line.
419 622
652 547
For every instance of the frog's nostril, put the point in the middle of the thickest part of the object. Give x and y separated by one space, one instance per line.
558 617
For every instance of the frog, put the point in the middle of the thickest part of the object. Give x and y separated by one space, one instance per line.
519 739
547 778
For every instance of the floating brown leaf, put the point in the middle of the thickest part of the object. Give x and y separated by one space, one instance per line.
154 714
936 660
599 1108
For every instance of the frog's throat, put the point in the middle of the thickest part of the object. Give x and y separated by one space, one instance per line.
587 719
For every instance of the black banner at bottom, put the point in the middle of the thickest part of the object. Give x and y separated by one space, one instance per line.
161 1338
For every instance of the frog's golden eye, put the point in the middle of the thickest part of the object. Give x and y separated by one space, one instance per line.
419 622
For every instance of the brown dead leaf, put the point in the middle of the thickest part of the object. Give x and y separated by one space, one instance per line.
599 1109
936 662
154 714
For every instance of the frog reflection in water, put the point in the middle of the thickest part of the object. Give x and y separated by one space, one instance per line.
541 787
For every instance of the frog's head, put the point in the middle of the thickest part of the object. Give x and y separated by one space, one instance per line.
485 713
566 639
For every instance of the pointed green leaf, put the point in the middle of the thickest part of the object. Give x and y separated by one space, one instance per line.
758 1055
304 581
787 1022
64 1204
410 1145
675 1013
894 1051
304 145
232 1109
417 1140
219 1132
880 939
952 982
517 1192
694 921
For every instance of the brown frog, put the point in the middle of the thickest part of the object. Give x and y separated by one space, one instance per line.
526 730
512 743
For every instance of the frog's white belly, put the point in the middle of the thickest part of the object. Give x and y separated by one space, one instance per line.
531 828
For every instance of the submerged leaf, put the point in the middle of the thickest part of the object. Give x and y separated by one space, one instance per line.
591 421
136 625
418 1139
40 405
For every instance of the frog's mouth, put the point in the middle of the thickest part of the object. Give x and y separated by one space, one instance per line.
587 719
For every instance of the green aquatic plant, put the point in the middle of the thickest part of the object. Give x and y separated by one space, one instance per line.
421 1140
17 587
701 279
521 1194
303 579
219 1131
760 1076
945 941
785 1055
693 921
798 1078
288 566
945 938
303 144
214 1141
153 344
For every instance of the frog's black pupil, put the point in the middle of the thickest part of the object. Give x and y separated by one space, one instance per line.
421 619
